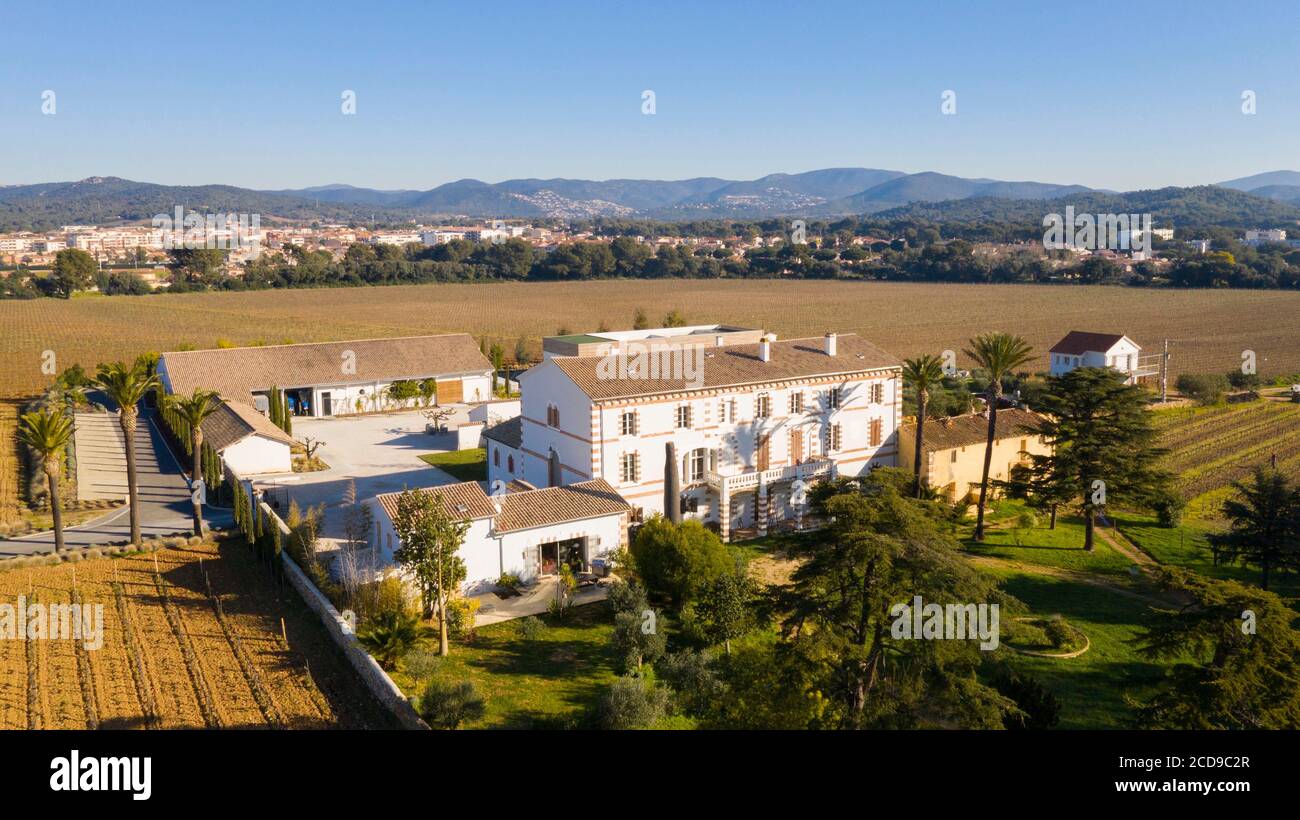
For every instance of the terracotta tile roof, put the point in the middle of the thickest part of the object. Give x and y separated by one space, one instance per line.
523 510
738 365
509 432
1078 342
556 505
235 421
237 372
463 500
971 429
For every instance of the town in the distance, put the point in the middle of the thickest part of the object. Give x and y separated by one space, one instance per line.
782 375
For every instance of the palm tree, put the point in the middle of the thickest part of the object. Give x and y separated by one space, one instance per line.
47 432
923 374
999 354
126 385
194 409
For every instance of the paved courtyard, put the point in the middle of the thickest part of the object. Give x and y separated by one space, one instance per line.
381 453
534 600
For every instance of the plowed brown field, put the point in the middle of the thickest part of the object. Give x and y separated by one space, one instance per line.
193 640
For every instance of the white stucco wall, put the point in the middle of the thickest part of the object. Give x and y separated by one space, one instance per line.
499 462
544 385
487 555
256 455
494 412
343 396
476 388
1123 356
732 444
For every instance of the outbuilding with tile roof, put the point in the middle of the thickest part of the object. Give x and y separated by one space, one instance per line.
247 441
334 378
528 533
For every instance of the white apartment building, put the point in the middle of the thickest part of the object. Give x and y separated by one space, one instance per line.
1256 237
755 423
15 244
397 238
1082 349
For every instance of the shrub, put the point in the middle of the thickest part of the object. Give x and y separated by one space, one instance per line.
1205 389
383 597
693 679
638 639
631 703
509 580
1243 381
446 705
627 597
460 617
1169 507
530 628
391 636
421 665
1058 633
678 561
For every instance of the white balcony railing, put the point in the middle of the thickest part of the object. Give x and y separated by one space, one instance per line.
740 482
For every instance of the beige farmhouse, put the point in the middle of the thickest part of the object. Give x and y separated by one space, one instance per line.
952 460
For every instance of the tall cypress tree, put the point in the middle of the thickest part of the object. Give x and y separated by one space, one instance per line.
275 407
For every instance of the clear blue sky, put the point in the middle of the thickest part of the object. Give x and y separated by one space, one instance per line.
1121 95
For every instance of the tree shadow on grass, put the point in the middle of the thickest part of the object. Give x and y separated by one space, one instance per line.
576 666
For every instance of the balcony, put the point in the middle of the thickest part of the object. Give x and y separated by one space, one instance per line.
743 482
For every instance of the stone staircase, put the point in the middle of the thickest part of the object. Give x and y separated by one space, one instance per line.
101 456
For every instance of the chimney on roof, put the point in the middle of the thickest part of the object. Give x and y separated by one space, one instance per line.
830 343
765 349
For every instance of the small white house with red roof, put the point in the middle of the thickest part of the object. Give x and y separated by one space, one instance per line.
1083 349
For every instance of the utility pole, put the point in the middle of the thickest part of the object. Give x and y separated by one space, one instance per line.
1164 374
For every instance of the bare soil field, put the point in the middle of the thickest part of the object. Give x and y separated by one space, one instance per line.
1209 328
193 641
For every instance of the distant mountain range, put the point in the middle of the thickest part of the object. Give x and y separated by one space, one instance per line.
1283 186
823 193
830 191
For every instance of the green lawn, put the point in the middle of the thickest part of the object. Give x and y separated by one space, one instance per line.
1188 546
552 681
1091 687
1061 547
778 543
465 465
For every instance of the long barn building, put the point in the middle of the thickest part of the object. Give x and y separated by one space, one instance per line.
334 378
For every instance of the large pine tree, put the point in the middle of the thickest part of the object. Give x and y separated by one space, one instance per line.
1103 445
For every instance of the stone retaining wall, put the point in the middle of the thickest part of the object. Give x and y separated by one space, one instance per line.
372 674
